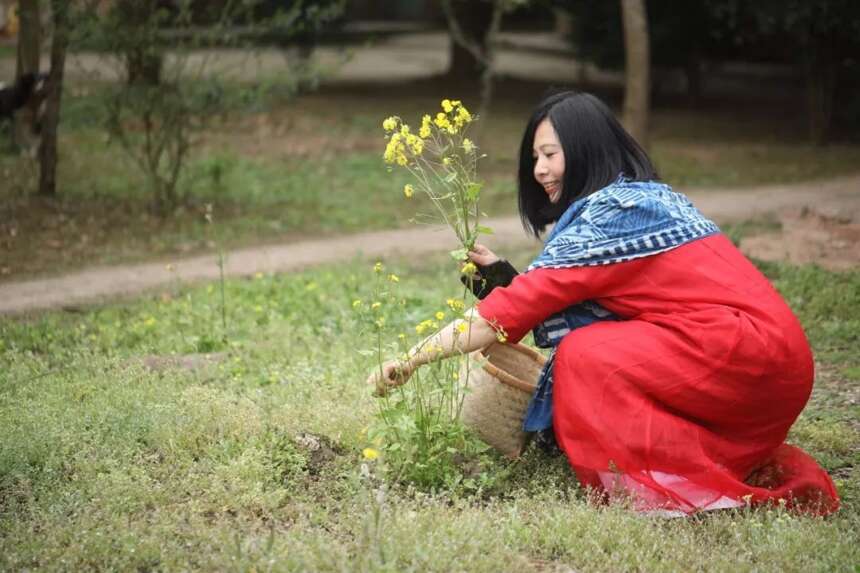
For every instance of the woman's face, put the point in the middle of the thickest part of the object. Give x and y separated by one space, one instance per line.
549 160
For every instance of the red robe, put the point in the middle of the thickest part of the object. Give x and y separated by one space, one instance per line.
685 404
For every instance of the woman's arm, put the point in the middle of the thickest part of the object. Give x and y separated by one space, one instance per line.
458 337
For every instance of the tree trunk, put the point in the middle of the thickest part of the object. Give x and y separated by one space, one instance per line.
143 58
478 39
29 52
474 19
693 72
143 67
48 149
29 38
462 64
637 69
821 72
821 87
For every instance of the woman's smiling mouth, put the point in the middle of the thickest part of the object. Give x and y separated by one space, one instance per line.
553 189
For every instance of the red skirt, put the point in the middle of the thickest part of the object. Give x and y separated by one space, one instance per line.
657 426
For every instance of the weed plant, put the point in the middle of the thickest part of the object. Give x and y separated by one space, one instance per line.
417 428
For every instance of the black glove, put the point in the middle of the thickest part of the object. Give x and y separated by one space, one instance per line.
498 274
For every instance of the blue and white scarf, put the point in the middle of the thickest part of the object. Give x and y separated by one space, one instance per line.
625 220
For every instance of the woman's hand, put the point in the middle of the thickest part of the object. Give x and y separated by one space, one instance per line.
481 255
393 373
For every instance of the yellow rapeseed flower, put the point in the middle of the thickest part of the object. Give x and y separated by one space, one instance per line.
462 118
462 327
440 315
442 120
468 146
375 305
415 143
447 106
393 278
408 190
455 304
389 124
469 268
370 453
392 148
404 130
396 149
424 325
356 303
377 268
424 131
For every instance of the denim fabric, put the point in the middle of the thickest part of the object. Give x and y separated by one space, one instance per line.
623 221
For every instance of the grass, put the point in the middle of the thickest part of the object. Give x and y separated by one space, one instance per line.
751 227
113 459
281 170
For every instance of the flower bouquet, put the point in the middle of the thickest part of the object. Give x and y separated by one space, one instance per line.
443 161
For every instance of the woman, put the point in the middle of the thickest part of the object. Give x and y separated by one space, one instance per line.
677 369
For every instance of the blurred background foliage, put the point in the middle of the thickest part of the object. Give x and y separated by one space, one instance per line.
270 110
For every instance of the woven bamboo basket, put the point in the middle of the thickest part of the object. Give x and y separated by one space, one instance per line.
499 383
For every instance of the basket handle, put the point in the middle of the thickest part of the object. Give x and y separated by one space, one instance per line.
506 378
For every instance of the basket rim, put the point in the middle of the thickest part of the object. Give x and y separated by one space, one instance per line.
509 379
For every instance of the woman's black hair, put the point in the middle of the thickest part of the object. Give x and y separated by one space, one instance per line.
596 149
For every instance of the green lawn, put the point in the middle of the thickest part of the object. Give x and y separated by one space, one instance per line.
281 170
108 464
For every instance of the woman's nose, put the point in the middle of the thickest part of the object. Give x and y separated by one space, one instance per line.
540 168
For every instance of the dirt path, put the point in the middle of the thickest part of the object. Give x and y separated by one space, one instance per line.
525 55
820 223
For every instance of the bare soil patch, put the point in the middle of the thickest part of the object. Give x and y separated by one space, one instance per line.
828 236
